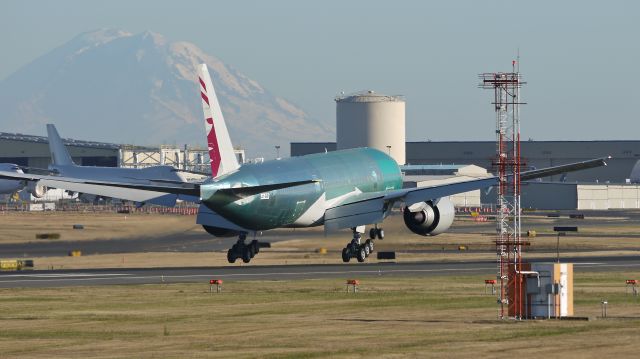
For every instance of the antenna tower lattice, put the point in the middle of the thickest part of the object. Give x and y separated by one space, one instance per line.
507 165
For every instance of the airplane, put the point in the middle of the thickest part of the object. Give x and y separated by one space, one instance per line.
62 165
8 186
338 190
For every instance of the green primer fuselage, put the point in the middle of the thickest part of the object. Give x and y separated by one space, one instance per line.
339 174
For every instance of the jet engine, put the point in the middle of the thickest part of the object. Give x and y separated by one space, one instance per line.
429 218
36 189
220 232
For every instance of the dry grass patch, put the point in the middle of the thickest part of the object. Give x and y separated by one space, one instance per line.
389 317
19 227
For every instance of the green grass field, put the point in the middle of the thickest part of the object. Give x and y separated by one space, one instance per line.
389 318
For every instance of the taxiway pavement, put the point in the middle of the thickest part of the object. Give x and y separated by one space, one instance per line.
119 276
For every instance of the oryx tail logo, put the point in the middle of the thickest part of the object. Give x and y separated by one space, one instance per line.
212 141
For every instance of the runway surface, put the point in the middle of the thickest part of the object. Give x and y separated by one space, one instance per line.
200 241
93 277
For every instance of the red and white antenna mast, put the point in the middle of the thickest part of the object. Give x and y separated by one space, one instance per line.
508 164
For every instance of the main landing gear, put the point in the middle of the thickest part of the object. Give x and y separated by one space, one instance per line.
242 250
358 250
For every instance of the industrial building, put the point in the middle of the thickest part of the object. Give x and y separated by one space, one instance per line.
610 187
581 196
369 119
33 151
536 154
432 175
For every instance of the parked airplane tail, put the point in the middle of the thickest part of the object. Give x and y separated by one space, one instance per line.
221 155
59 153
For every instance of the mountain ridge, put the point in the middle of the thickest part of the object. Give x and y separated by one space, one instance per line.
115 86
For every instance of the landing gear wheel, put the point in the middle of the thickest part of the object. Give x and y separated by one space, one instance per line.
231 255
380 233
246 254
256 246
369 243
373 232
361 255
367 250
346 256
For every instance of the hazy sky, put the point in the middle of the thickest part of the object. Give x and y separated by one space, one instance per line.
581 58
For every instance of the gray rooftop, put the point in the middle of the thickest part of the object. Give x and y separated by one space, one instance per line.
368 96
67 141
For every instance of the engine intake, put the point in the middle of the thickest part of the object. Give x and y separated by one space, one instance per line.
36 189
430 219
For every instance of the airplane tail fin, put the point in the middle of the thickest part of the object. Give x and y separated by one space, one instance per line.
59 153
221 155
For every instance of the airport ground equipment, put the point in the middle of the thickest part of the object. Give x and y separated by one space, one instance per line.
547 289
16 264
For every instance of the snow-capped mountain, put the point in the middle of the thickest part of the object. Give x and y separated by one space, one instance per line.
111 85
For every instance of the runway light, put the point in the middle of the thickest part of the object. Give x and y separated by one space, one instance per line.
633 285
353 283
217 283
492 283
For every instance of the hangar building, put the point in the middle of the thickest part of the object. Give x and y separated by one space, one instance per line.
536 154
610 187
33 151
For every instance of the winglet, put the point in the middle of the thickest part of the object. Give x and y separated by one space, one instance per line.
59 153
221 155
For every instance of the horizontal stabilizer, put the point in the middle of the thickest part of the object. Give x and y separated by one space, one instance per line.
237 193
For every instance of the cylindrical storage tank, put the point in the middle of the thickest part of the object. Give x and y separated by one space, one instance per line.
372 120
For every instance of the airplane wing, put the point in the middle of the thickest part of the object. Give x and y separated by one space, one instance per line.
127 191
354 211
357 210
143 191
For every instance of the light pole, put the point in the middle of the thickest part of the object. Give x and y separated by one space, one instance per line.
561 231
277 152
389 150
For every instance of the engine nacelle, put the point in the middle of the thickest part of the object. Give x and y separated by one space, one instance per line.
220 232
429 219
36 189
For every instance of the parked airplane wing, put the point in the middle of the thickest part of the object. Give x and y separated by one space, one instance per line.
355 210
127 191
143 192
